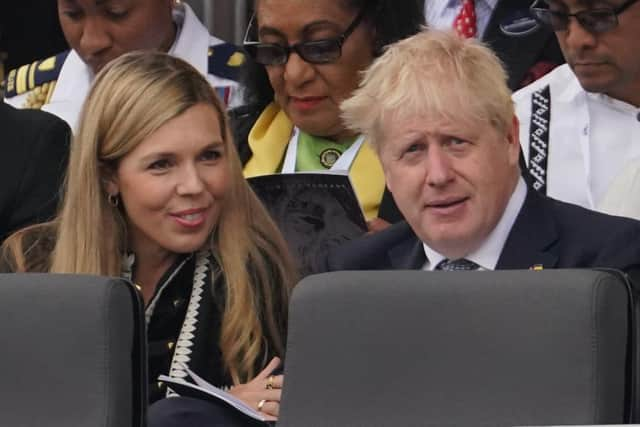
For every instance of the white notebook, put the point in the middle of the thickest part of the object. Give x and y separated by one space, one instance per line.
202 389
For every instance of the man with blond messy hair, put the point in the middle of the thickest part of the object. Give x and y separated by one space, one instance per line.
439 113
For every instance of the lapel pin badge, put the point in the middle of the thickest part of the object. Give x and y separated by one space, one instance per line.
536 267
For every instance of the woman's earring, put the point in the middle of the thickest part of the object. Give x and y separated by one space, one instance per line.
113 200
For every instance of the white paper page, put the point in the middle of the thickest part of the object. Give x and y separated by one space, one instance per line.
211 390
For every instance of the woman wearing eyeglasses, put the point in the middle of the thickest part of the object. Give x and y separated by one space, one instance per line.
307 58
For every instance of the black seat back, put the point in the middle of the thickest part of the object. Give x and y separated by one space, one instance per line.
503 348
74 351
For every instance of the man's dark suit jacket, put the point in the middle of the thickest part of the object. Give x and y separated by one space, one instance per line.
546 232
522 55
33 159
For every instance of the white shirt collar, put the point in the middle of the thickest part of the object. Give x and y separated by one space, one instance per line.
491 3
572 89
433 258
72 87
613 103
178 13
487 255
192 38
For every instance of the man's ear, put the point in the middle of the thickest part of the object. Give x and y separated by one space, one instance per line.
513 141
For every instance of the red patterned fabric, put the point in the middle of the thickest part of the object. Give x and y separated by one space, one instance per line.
465 22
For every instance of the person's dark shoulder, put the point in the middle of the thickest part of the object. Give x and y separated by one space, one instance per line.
29 122
606 235
34 131
241 121
370 251
33 159
577 218
604 241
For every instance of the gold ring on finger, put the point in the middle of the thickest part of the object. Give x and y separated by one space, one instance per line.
261 404
269 385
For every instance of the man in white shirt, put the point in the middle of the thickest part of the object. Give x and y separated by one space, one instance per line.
439 114
527 49
580 124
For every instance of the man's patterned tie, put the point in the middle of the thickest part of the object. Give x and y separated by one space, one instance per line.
465 23
461 264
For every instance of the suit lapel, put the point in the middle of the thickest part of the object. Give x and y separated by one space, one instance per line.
519 54
530 242
532 237
408 254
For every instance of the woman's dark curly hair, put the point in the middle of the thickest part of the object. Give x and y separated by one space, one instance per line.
392 20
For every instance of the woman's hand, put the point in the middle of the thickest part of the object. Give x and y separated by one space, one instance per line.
263 392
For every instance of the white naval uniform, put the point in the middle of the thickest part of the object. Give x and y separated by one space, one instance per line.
591 137
74 81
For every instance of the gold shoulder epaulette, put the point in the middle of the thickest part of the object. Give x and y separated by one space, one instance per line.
35 76
39 96
225 60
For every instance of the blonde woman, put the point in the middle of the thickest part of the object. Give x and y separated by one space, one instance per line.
155 193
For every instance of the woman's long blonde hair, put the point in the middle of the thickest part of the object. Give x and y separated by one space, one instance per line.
130 99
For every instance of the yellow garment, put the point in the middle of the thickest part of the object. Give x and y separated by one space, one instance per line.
269 138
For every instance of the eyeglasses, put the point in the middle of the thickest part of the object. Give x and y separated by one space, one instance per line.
315 51
597 20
